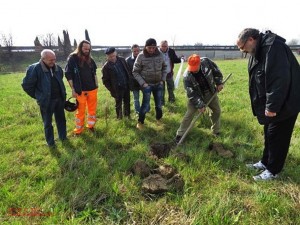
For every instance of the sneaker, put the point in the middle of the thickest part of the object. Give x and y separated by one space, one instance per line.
257 166
140 126
265 175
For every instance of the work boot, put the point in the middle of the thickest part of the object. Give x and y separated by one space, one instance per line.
177 139
140 126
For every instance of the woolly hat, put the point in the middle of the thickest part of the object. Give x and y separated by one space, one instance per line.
150 42
193 63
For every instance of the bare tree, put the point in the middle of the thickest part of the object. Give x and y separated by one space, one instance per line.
7 41
48 40
198 44
293 42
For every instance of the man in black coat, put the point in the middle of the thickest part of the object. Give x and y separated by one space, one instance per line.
115 78
170 58
274 81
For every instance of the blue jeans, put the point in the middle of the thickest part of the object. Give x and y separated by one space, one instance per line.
55 107
157 94
136 101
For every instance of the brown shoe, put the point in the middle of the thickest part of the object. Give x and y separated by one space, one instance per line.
140 126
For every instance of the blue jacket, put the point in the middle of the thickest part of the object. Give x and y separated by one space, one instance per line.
37 83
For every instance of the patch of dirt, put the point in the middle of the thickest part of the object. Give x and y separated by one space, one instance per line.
141 168
160 150
220 150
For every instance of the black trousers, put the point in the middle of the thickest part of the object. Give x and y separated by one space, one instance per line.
123 98
277 141
55 107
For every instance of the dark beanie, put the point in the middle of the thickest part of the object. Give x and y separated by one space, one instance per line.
110 50
150 42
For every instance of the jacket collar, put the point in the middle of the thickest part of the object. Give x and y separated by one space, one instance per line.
45 68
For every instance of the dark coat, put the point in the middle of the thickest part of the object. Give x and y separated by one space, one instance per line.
133 84
213 77
274 79
37 83
72 71
110 78
174 59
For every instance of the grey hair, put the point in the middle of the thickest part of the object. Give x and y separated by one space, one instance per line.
164 41
45 52
247 33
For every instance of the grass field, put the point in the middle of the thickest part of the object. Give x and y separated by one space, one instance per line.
87 180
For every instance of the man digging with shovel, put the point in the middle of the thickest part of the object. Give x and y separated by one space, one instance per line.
202 81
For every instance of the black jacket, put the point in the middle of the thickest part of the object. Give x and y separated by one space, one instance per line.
174 59
274 79
213 77
110 78
72 72
133 84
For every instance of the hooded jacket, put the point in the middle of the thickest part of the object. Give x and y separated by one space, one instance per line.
274 79
150 69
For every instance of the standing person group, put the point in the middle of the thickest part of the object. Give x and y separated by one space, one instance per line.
81 74
116 79
44 82
274 81
170 58
150 71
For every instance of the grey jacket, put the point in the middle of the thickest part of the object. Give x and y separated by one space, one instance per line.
150 69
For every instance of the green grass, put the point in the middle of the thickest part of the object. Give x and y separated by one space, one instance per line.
87 180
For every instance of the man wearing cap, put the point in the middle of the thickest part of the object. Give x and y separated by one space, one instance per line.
201 82
115 78
150 70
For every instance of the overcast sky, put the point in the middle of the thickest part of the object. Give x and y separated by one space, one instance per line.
124 22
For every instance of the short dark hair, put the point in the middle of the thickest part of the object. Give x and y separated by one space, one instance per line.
134 46
248 32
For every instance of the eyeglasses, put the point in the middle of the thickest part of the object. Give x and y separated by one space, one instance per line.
243 46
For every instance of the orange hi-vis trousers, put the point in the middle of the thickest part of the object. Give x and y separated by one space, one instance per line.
87 99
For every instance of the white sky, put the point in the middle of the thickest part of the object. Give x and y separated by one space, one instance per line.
124 22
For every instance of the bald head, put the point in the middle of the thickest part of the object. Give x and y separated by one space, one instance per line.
48 57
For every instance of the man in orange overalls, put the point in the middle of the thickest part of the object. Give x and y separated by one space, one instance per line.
81 74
